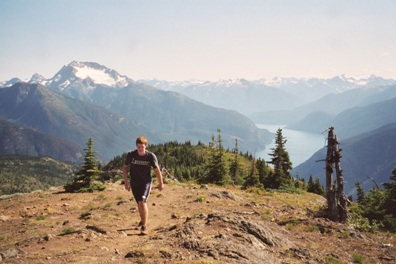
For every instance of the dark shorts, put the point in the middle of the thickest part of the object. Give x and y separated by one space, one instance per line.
141 191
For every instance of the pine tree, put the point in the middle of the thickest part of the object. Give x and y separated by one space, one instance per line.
263 171
390 202
318 188
281 177
216 166
311 185
359 192
235 167
85 180
377 205
253 179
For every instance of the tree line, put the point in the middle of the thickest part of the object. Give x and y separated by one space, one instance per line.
213 164
206 164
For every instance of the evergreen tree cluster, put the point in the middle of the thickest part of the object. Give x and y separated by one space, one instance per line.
215 165
378 206
205 164
315 186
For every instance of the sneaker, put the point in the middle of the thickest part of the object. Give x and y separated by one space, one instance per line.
143 230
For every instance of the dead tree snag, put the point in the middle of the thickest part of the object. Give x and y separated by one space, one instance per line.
336 199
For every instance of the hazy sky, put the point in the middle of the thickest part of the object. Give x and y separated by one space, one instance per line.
200 39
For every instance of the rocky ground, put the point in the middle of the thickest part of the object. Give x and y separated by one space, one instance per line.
187 224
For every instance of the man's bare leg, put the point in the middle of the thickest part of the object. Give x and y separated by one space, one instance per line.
143 212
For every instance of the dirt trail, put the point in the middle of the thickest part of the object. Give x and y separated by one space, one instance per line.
187 224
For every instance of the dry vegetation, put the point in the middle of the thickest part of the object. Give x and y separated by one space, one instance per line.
188 224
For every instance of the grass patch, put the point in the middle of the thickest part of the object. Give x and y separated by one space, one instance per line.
312 228
198 214
106 206
102 197
357 258
68 231
200 199
89 207
291 226
40 217
118 214
267 214
333 260
96 229
345 234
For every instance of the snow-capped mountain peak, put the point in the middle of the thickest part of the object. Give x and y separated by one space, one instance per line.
84 78
37 78
92 72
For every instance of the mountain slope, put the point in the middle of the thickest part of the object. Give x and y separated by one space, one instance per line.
353 121
20 140
174 116
25 174
36 106
370 155
359 120
332 104
179 118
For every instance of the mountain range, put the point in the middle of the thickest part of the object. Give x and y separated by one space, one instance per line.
171 115
255 98
88 99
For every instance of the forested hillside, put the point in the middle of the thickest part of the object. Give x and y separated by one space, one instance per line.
183 161
21 140
23 174
187 162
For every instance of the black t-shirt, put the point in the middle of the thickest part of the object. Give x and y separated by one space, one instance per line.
140 166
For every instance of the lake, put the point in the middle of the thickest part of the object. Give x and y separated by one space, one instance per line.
300 145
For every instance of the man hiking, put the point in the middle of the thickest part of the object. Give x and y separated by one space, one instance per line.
140 162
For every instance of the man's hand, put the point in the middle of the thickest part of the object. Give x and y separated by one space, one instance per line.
127 186
160 186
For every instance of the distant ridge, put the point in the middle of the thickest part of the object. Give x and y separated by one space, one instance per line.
20 140
43 110
366 157
252 97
